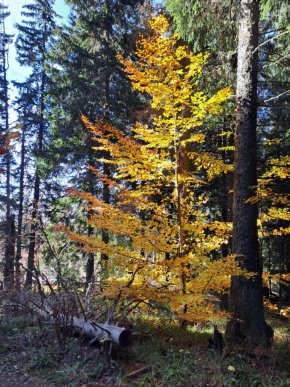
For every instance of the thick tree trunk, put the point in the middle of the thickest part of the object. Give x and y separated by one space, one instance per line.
246 297
100 332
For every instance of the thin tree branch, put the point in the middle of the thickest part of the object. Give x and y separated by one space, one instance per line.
277 96
270 40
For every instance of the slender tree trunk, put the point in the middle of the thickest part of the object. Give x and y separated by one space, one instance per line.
20 213
9 253
36 196
180 203
106 169
9 222
246 296
106 113
90 266
33 231
226 206
182 167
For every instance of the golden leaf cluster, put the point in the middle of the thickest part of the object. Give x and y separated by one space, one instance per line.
162 239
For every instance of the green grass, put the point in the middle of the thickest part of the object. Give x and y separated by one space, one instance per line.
166 355
16 324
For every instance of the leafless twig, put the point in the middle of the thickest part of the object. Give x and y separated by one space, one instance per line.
277 96
270 40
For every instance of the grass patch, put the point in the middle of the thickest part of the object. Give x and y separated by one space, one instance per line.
161 355
16 324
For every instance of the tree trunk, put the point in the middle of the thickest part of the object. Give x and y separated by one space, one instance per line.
36 196
9 221
246 296
20 213
9 254
100 332
106 113
90 265
32 235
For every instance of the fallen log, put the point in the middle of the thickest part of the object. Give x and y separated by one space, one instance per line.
100 332
95 332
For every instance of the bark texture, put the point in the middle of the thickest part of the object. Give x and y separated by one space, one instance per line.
20 213
9 221
9 253
107 118
101 332
36 195
246 297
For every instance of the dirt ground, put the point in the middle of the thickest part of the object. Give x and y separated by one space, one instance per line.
15 377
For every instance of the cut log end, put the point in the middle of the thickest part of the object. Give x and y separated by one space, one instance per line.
125 338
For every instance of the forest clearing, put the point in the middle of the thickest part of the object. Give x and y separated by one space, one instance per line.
144 193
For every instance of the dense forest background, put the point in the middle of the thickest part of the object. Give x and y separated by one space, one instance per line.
146 167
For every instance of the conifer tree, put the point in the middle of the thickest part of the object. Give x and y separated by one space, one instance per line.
246 297
272 107
24 105
274 141
88 80
32 46
9 249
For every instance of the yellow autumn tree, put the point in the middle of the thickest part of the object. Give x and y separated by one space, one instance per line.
274 220
161 233
275 213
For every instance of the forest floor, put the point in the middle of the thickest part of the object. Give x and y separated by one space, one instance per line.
161 355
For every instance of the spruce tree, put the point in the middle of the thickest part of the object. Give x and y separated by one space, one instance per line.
32 45
88 79
220 38
9 249
24 105
246 297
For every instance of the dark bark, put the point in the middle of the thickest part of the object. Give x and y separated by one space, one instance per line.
226 206
20 213
106 113
9 253
107 28
9 221
33 232
90 265
90 268
246 296
9 250
36 196
106 199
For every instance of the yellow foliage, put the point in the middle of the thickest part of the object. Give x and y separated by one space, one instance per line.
268 281
275 204
161 236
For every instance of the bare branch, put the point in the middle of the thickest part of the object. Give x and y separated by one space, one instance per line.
270 40
277 96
